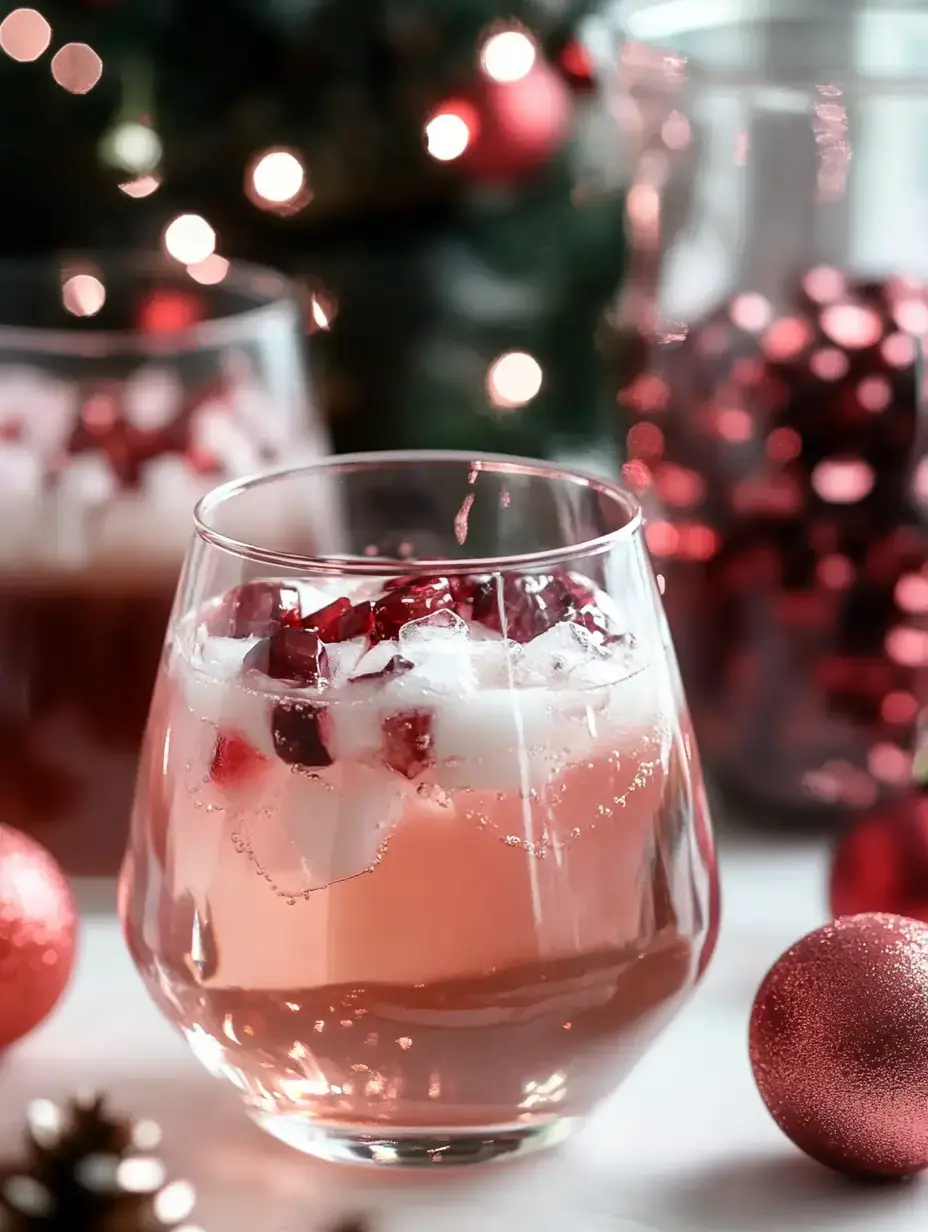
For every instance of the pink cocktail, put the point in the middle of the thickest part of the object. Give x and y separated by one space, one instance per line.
414 862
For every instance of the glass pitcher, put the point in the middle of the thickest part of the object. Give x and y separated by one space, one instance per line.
776 311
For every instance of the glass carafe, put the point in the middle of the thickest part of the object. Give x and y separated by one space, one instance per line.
777 310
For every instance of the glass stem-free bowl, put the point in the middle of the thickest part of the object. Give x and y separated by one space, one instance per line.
420 860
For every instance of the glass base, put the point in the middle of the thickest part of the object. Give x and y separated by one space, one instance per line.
412 1148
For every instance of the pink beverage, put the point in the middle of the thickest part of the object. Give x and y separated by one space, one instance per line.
414 859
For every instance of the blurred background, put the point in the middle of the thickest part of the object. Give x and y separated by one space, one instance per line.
677 248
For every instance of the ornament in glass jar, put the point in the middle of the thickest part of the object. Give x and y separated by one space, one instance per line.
773 424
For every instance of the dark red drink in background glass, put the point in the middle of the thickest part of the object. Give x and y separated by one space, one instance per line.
128 388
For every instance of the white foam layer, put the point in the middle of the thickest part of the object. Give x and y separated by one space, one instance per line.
503 717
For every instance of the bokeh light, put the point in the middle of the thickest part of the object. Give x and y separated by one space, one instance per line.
843 481
450 130
508 56
323 309
276 177
77 68
210 271
189 239
25 35
142 186
134 147
83 295
514 379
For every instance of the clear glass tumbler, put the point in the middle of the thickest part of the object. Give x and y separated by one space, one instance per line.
774 426
129 387
420 860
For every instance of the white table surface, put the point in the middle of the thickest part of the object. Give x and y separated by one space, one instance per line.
686 1145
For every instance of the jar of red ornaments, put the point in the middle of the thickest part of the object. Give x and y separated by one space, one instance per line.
774 320
128 388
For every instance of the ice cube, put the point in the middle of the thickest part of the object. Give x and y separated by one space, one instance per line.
20 474
338 820
223 656
343 659
87 479
215 432
313 597
51 403
482 633
152 397
556 654
355 727
439 647
174 486
496 661
375 661
638 701
213 692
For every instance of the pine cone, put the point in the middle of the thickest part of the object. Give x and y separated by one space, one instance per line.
87 1171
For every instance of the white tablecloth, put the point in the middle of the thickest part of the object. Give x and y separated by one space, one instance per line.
686 1146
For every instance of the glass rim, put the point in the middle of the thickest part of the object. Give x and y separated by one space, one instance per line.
395 567
269 290
667 26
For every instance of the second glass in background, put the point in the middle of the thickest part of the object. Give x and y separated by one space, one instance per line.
128 388
778 308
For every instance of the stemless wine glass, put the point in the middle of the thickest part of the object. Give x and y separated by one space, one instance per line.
129 387
420 859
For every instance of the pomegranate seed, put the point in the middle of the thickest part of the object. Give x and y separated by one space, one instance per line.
532 604
406 741
299 731
411 601
256 610
341 621
462 588
296 655
234 760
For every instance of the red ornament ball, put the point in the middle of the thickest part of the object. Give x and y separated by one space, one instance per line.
515 127
38 931
839 1044
881 862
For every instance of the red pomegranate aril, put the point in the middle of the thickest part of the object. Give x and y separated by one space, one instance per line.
416 599
529 608
406 742
464 588
234 760
295 655
341 621
300 731
256 609
532 604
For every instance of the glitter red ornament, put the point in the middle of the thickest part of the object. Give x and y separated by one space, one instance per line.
839 1044
38 929
881 862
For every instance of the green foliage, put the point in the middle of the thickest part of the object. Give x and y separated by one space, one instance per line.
433 275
